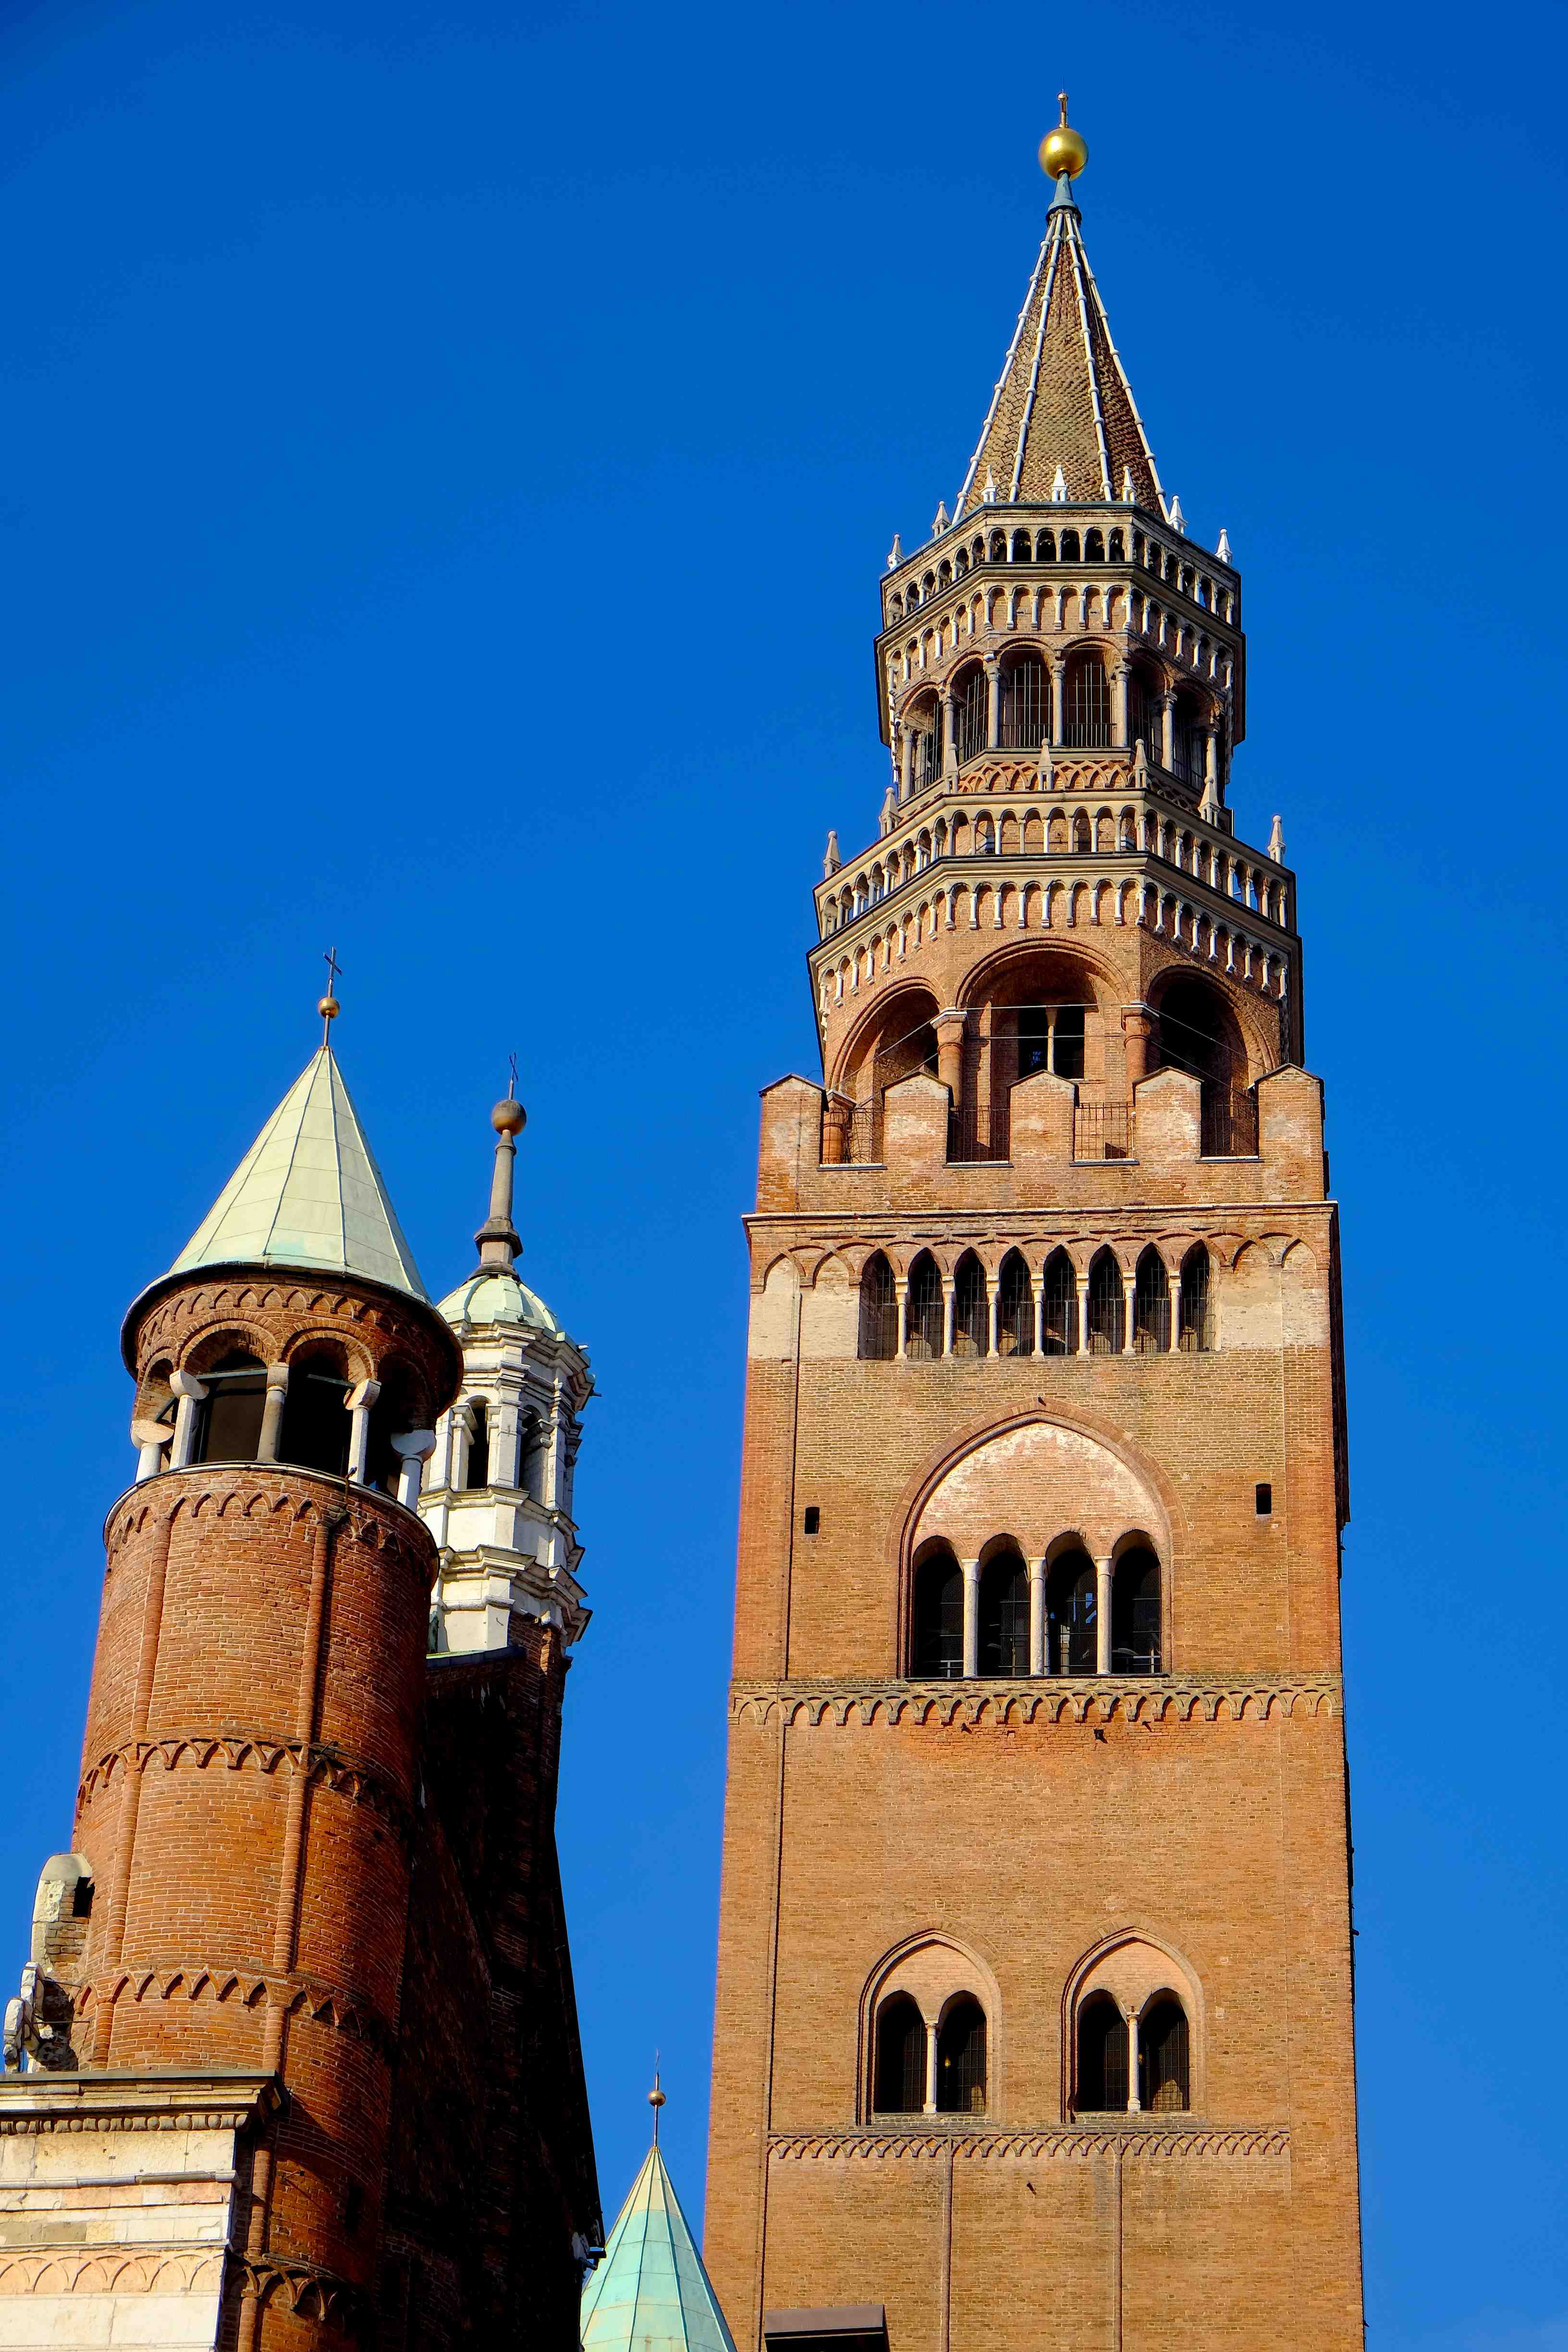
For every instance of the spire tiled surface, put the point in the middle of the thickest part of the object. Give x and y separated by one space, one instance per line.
1063 399
307 1193
651 2293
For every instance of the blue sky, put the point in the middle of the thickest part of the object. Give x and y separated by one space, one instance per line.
449 455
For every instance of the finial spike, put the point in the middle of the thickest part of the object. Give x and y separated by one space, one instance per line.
327 1006
656 2098
1277 842
497 1240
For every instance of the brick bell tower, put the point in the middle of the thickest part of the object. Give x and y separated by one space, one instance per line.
295 2060
1034 2011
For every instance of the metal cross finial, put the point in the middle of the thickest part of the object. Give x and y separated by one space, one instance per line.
511 1066
327 1006
656 2098
1062 103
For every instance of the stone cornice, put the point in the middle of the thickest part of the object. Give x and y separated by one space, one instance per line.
1070 1699
1184 2141
172 2098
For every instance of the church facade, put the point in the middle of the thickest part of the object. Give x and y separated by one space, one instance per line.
295 2061
1034 2011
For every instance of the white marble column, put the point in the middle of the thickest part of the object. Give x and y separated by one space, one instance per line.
150 1438
1036 1616
191 1393
1129 1302
901 1284
271 1435
949 1289
359 1403
1103 1570
1083 1347
971 1617
414 1448
1134 2103
931 2070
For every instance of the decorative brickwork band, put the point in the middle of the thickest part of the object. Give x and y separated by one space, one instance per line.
284 1996
150 2269
1056 1701
346 1776
1160 2142
308 2292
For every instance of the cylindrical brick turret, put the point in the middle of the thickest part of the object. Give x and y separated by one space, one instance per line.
249 1774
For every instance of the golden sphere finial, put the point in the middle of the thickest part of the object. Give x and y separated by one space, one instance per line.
328 1008
1063 150
508 1116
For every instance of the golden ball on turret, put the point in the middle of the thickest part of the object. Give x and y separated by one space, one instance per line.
508 1117
328 1008
1063 149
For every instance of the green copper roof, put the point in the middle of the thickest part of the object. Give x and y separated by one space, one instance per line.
307 1193
494 1295
651 2294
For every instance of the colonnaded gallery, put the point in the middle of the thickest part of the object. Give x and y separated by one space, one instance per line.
1034 2014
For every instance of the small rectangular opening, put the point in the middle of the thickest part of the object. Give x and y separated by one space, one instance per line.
812 1520
1265 1495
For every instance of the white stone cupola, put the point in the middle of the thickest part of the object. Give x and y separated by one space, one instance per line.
498 1488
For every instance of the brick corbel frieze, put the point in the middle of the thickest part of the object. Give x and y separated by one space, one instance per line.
307 2289
301 1996
1162 2143
1067 1700
346 1776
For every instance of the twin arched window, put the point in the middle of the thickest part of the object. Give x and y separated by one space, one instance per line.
1110 2043
925 2069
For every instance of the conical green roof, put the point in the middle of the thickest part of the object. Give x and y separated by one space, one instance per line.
650 2293
307 1193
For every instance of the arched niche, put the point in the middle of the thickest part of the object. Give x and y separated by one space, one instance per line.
1037 1481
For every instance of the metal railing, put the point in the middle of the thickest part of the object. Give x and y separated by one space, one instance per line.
1229 1124
977 1132
1102 1132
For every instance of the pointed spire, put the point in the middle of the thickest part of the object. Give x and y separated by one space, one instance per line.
1277 842
1063 399
894 553
1059 488
652 2292
1141 765
307 1193
1222 550
989 493
831 861
1128 495
942 520
1177 519
1208 807
497 1240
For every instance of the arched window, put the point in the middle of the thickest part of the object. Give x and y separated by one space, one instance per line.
1086 720
970 713
229 1426
925 1310
1118 548
970 1316
879 1311
1094 546
1152 1305
1162 2063
1020 547
1026 692
1101 2088
1014 1308
1072 1622
1045 547
1188 753
925 723
899 2087
1135 1614
1061 1304
961 2059
479 1470
997 550
937 1648
315 1426
1050 1037
1106 1307
1070 547
1193 1332
1004 1615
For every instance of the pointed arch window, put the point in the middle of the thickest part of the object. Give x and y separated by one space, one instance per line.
937 1646
1152 1305
899 2087
229 1425
1106 1307
1014 1307
1071 1616
970 1335
925 1319
879 1311
961 2059
1060 1317
1192 1336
